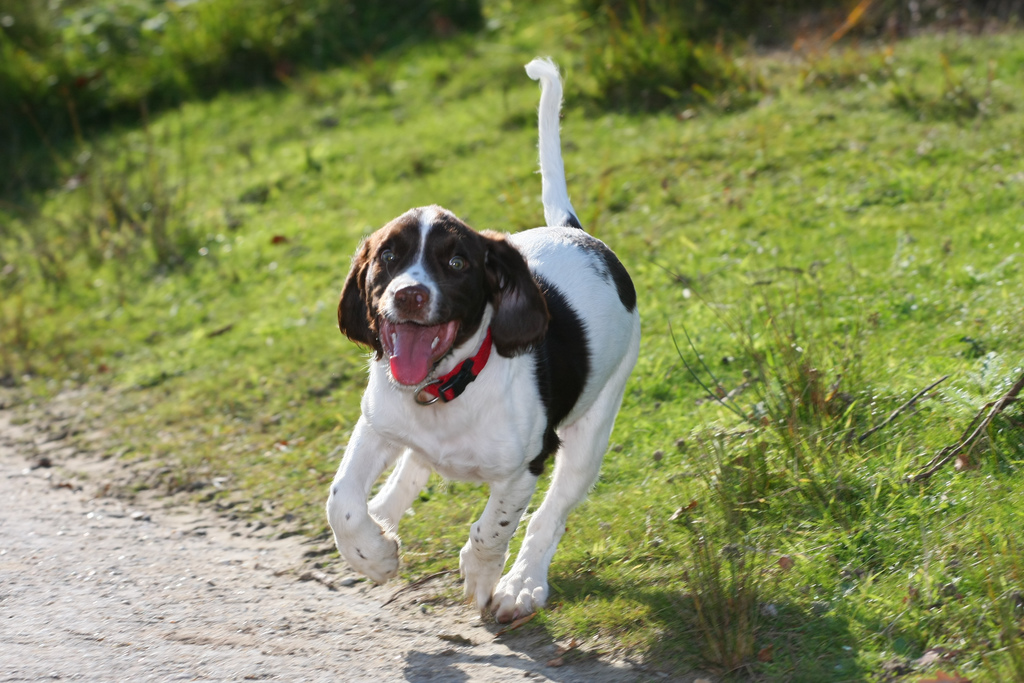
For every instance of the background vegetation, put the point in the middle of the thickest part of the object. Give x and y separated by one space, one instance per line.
819 236
66 65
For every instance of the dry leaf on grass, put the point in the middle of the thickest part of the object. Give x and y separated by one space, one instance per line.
573 644
680 512
935 655
455 638
562 650
964 463
515 624
943 677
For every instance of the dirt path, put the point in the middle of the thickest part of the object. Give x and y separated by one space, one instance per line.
97 588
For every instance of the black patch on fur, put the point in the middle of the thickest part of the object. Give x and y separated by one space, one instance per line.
623 283
369 277
550 446
572 222
609 267
562 367
520 312
463 294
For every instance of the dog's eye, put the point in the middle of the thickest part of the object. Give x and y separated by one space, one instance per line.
457 263
387 256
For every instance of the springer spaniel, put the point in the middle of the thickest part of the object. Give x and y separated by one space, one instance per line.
493 352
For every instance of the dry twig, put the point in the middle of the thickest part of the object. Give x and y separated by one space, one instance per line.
416 584
693 373
896 413
318 576
977 426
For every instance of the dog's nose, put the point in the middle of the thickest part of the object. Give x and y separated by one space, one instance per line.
412 299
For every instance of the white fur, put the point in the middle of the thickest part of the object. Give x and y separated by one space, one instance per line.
554 193
492 432
416 274
489 434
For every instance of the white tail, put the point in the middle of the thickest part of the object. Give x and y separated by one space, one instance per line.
558 209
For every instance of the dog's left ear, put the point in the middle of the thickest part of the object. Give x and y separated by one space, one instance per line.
353 314
520 310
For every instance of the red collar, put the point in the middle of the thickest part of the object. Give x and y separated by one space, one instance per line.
451 386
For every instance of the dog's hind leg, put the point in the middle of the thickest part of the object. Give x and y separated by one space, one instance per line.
400 490
577 464
482 559
361 539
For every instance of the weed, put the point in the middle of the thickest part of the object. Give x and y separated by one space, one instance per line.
725 582
642 58
1005 588
131 208
739 477
125 217
15 336
799 419
136 205
958 100
962 97
846 68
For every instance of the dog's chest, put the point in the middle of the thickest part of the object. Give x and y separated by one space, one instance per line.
487 433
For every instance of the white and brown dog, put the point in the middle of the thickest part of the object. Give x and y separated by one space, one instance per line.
493 352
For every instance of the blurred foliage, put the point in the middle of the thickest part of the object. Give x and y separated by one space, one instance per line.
649 54
708 20
645 56
780 22
67 64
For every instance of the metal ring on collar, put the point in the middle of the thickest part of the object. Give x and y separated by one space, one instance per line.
432 400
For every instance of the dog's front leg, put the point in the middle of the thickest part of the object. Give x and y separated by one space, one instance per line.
483 557
525 588
396 496
360 538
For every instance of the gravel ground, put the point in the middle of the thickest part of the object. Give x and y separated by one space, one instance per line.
103 588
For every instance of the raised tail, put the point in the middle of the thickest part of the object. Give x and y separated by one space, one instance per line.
558 209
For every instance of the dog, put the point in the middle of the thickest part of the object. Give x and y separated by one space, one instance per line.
491 353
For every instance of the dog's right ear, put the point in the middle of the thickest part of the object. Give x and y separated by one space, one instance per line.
354 319
521 312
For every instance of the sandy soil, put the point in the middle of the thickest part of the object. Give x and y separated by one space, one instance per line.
104 588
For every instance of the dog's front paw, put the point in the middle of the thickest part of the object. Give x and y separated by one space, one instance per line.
374 554
480 573
517 594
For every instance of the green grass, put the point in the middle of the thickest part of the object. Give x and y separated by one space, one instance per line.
841 242
68 67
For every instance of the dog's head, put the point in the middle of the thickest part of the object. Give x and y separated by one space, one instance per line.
419 287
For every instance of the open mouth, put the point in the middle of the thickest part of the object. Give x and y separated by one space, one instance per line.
413 349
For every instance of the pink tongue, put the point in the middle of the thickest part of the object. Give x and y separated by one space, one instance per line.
414 351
